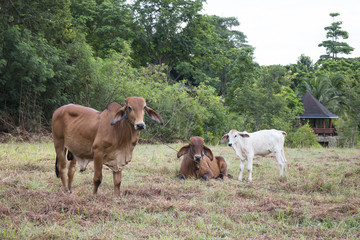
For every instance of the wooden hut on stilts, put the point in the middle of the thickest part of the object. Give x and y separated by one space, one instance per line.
320 119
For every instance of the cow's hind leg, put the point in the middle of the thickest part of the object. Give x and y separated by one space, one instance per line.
117 183
71 170
281 162
250 166
284 160
60 165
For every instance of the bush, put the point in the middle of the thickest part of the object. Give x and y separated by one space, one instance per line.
302 137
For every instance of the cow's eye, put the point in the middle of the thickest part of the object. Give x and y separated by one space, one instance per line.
130 109
235 135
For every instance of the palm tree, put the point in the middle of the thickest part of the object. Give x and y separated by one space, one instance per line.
328 89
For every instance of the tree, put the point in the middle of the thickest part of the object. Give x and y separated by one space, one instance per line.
161 40
107 24
333 46
303 69
268 101
214 46
34 66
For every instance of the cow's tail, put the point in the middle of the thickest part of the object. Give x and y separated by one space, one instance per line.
56 168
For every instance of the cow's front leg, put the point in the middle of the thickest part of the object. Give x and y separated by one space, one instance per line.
97 172
117 182
242 164
207 176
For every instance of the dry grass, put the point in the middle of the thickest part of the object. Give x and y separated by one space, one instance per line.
318 199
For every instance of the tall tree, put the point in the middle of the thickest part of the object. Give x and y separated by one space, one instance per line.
107 24
162 39
304 68
34 67
213 47
334 46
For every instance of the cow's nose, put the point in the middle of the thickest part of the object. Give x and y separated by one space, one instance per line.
140 126
230 144
197 158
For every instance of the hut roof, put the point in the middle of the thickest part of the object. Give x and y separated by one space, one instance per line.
314 109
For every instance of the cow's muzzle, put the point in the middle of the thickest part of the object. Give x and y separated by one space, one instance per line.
230 144
140 126
197 158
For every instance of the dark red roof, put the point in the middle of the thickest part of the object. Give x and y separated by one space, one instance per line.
314 109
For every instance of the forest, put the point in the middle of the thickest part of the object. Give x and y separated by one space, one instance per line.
194 69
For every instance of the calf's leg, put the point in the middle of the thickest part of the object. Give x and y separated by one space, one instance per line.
207 176
223 168
242 165
181 176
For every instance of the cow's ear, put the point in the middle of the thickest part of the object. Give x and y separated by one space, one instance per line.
224 138
208 153
244 134
154 116
119 116
183 150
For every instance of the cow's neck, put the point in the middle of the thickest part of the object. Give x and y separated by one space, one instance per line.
193 167
240 148
127 135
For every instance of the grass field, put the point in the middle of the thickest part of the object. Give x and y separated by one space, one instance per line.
318 199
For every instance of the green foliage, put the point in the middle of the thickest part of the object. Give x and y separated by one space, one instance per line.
267 103
32 77
303 137
108 24
162 37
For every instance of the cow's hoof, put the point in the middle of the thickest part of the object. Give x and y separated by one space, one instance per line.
181 177
204 177
65 190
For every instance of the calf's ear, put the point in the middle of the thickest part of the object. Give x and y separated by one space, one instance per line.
154 116
224 138
208 153
183 150
244 134
119 116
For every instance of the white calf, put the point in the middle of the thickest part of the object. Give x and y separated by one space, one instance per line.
247 145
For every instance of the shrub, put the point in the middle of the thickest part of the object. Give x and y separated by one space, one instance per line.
302 137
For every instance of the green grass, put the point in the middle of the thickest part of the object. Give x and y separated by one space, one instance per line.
318 198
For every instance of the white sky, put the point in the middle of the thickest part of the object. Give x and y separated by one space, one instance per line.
282 30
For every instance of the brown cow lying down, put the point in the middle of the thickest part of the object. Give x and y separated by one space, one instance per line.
108 137
199 161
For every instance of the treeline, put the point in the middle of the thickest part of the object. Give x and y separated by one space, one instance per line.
193 69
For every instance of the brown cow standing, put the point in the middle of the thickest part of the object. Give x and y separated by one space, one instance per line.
198 161
108 137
